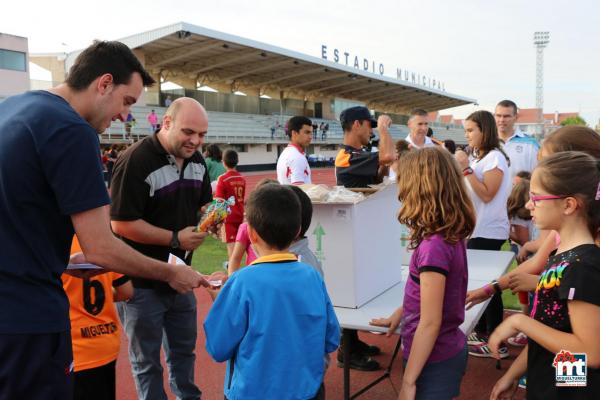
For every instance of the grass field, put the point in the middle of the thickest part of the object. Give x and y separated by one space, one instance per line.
210 257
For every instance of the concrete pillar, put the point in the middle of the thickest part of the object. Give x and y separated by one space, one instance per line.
147 94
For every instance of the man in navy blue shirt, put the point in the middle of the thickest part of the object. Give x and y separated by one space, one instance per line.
51 187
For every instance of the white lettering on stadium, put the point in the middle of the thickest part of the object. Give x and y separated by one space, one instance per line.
364 64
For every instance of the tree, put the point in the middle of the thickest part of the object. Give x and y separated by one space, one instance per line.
577 120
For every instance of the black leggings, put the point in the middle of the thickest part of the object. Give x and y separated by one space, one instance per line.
96 383
494 313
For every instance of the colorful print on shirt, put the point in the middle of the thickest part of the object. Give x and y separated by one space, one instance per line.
571 275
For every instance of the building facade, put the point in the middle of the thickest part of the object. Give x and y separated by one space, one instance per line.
14 61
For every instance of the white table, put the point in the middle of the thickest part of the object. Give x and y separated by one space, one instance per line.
484 266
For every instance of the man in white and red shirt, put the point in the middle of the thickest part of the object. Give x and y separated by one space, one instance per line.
292 166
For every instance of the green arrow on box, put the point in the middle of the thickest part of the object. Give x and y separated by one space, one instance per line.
319 232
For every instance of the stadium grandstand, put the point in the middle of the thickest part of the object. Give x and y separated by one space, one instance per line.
249 88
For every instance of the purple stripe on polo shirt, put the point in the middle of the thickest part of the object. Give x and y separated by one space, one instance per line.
179 184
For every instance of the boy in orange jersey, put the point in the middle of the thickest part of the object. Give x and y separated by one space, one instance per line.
94 329
231 183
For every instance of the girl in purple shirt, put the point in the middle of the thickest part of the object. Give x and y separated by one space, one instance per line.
439 213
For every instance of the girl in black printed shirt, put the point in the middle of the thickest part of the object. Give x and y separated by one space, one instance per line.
565 196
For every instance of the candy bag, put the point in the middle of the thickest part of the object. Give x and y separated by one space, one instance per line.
216 213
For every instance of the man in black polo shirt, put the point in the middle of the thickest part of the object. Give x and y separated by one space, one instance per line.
354 166
357 167
159 185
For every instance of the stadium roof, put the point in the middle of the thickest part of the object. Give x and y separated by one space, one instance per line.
216 58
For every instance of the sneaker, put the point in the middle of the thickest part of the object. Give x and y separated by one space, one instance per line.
366 349
482 350
474 339
520 340
359 362
523 382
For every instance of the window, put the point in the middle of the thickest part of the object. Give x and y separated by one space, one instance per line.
269 148
14 60
240 148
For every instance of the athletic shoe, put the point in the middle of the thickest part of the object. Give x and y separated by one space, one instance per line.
366 349
473 339
359 362
520 340
523 382
482 350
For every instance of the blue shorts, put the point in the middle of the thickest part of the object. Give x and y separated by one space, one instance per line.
441 380
36 366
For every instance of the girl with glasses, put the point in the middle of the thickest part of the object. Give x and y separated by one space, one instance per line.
565 319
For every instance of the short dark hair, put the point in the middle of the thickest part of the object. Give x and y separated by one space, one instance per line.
347 125
213 151
450 145
296 124
524 175
402 146
306 209
230 158
273 211
104 57
417 111
508 103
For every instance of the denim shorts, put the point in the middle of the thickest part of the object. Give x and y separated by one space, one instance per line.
441 380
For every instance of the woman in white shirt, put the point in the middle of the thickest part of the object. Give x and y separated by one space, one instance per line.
488 183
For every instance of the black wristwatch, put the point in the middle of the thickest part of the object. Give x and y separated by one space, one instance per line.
174 240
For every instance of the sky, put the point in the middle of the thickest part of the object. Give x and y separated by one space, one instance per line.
480 49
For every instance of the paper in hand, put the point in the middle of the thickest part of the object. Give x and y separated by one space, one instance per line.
83 266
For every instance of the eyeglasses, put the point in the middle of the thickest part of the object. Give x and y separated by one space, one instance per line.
541 197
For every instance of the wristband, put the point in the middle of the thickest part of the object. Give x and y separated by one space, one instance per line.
496 286
488 290
467 171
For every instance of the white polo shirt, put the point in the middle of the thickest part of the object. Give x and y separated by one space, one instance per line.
522 150
292 166
428 142
492 217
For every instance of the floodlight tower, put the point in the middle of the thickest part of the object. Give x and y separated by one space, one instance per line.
540 40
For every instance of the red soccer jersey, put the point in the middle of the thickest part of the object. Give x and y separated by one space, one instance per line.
232 183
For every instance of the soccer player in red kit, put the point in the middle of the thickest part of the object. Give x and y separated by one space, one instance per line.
231 183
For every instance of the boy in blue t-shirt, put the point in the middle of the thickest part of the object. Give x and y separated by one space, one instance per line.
273 321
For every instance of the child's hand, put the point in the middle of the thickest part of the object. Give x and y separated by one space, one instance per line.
392 322
504 389
505 330
523 282
462 159
385 322
475 297
218 276
523 254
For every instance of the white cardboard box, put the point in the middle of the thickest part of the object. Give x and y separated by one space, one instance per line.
360 246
